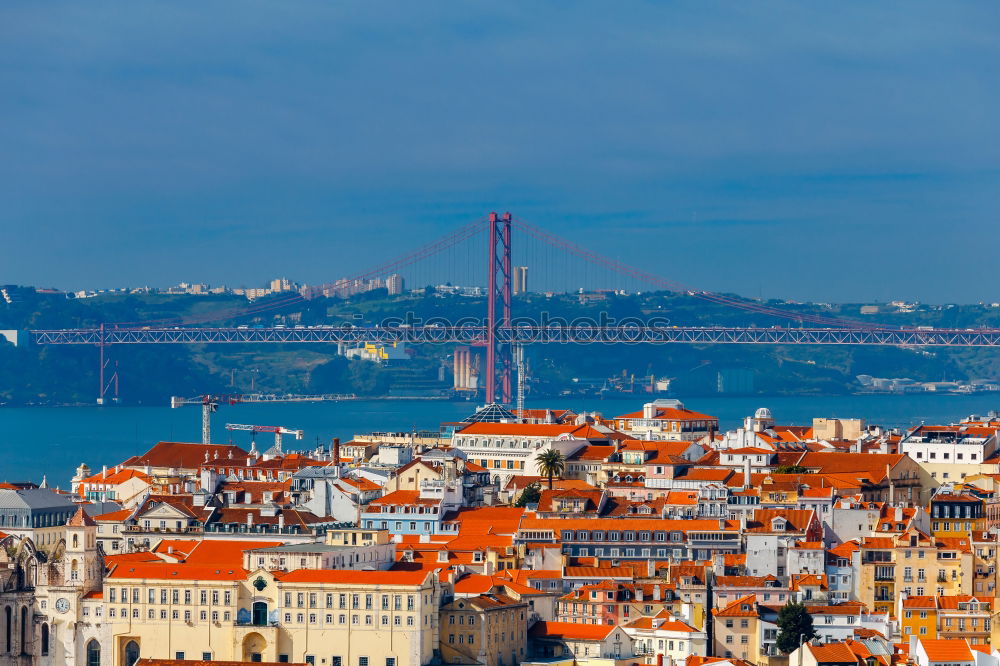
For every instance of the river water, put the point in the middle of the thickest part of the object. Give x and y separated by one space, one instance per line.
54 440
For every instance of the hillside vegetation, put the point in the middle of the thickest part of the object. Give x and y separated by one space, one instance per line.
150 374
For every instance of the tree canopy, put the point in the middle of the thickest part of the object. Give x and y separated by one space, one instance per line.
795 627
530 495
551 463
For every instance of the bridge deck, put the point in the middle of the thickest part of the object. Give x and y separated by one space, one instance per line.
580 334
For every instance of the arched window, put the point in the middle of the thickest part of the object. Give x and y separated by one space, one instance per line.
93 653
76 541
8 619
131 653
45 639
74 570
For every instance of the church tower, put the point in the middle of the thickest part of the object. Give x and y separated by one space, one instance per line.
81 559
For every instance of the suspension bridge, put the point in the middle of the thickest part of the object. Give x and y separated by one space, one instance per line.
498 331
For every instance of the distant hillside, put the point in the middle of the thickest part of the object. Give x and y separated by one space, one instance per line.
150 375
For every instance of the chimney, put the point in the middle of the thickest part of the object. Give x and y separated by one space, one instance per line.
892 487
104 471
746 473
170 550
249 519
649 411
638 592
656 592
651 570
336 451
281 521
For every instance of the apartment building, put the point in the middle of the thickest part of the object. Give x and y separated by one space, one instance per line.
667 419
489 629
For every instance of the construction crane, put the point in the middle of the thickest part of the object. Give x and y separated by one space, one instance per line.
209 404
277 430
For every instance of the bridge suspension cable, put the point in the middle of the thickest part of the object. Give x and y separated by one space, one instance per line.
452 239
672 285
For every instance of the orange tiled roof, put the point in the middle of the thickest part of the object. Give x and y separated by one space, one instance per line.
832 653
571 630
349 576
172 571
743 581
80 519
518 429
115 475
920 602
113 516
670 414
186 455
951 601
200 662
946 649
668 524
742 607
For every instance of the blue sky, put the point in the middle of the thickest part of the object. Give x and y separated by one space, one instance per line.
824 151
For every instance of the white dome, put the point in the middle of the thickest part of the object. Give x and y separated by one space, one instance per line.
762 413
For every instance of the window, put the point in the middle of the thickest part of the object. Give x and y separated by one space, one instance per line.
179 656
93 653
131 653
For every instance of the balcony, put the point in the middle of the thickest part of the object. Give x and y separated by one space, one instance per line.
251 623
191 529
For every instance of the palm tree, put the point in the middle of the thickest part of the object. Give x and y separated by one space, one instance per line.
551 463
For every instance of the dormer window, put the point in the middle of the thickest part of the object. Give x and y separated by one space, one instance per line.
442 556
779 524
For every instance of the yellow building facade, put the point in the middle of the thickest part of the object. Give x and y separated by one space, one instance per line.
332 617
